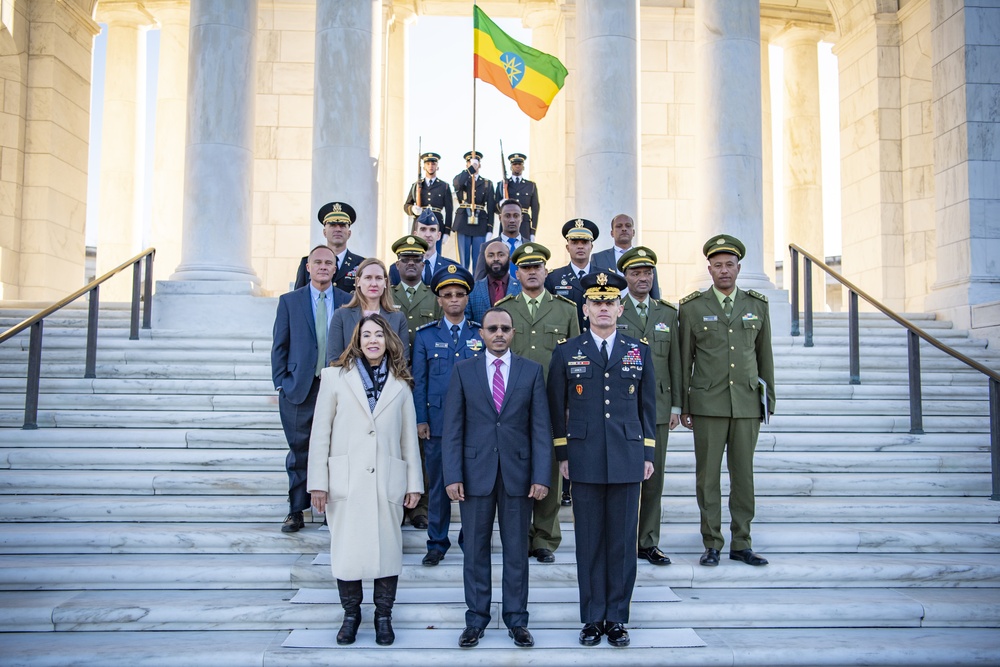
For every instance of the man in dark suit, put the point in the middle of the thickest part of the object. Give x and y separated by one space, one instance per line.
623 233
565 281
337 219
510 233
497 284
654 322
474 217
434 197
602 397
496 451
297 356
426 227
438 346
524 192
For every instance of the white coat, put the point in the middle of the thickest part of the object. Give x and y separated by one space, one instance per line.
366 462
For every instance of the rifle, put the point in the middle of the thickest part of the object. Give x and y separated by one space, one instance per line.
503 165
420 173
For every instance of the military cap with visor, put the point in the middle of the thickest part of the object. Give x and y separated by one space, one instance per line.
337 213
580 228
530 254
636 257
451 275
410 245
602 286
724 243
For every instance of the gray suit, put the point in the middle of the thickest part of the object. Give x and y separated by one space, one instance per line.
342 328
497 457
606 260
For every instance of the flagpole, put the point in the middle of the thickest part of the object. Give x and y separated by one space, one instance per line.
473 92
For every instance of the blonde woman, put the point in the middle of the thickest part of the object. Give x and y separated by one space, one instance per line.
371 295
364 467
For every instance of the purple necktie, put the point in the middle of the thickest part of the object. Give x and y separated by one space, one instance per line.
498 385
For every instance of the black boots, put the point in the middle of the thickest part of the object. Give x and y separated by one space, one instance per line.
385 595
350 600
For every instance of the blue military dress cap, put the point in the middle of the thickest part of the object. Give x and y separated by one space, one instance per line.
451 275
514 158
602 286
724 243
580 228
429 157
468 156
337 213
427 217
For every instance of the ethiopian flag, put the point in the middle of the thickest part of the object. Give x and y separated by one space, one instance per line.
526 75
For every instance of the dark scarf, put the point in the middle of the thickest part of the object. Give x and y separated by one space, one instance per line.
373 379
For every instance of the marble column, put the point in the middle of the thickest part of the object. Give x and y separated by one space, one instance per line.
171 114
397 169
966 165
346 114
803 161
547 142
119 234
607 112
728 147
767 30
218 164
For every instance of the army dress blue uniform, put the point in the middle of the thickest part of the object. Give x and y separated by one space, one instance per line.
607 436
434 355
565 282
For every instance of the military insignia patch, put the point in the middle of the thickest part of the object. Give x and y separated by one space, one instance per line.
452 268
631 389
474 344
579 390
661 326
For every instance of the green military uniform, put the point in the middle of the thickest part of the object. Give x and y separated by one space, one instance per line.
659 331
536 336
723 360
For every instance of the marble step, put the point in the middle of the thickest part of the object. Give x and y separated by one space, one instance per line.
273 438
809 462
676 538
287 571
416 608
253 509
227 482
872 647
232 419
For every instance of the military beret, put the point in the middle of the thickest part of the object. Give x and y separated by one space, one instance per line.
724 243
468 156
580 229
409 245
602 286
530 254
636 257
453 274
337 213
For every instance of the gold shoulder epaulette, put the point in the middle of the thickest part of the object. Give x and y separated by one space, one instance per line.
667 303
757 295
560 297
690 297
505 299
560 341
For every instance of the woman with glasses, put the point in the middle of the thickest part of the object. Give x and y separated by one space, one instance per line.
371 296
364 468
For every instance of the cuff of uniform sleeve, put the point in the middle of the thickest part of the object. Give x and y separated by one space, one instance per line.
559 442
675 410
649 442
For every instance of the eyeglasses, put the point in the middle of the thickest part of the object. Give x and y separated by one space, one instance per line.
502 327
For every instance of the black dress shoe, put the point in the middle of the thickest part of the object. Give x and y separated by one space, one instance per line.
710 557
521 636
293 523
471 636
432 558
591 634
567 500
654 556
617 634
542 555
748 557
419 522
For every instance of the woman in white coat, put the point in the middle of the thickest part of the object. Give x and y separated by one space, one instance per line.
364 467
371 295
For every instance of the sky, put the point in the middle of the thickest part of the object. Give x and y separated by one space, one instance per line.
440 116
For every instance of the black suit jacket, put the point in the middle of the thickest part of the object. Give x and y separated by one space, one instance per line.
342 280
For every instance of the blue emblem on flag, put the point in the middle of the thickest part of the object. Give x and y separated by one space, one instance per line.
513 65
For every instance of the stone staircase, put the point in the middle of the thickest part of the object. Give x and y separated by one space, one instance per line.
141 521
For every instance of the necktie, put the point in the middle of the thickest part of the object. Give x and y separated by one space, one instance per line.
498 387
321 330
532 304
727 306
454 334
409 292
513 267
580 273
427 272
604 351
642 313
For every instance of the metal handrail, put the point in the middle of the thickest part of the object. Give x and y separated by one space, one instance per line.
914 334
35 323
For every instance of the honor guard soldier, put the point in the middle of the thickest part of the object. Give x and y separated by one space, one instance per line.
654 322
431 194
337 219
474 217
522 190
580 235
437 347
412 296
728 389
540 320
602 396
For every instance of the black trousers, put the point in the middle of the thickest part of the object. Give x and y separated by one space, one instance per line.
296 421
607 525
